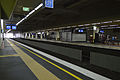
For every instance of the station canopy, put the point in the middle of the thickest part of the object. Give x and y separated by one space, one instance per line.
64 13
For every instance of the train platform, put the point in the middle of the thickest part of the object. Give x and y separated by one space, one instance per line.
21 62
115 47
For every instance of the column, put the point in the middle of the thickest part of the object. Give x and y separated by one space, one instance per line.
57 35
36 36
95 30
41 36
2 33
32 36
29 35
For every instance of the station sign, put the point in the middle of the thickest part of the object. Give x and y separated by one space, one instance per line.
14 27
48 3
8 27
26 9
11 26
101 31
81 30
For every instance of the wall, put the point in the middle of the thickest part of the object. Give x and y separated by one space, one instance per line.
78 37
66 51
66 36
18 35
106 61
9 35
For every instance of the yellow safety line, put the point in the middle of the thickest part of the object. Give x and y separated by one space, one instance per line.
51 63
39 71
12 55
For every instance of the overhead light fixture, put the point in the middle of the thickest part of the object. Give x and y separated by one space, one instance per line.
8 31
117 27
86 24
73 26
95 23
39 6
80 25
31 12
105 26
113 25
116 21
106 22
94 28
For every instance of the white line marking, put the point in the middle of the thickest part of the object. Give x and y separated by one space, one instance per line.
81 70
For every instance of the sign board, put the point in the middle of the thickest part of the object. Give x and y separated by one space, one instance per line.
8 27
11 26
26 9
14 27
49 3
101 31
81 30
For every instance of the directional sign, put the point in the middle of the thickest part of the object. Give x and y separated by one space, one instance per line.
26 9
14 27
49 3
81 30
8 27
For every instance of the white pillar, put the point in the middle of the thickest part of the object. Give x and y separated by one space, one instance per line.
57 35
95 30
2 33
26 35
41 36
36 36
29 35
32 36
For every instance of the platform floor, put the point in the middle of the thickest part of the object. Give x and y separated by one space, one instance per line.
12 67
18 62
116 47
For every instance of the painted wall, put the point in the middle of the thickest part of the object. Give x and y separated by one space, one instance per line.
79 37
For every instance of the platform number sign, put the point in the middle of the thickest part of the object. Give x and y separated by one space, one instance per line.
49 3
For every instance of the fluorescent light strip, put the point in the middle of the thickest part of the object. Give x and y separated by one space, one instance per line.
95 23
116 21
117 27
86 24
106 22
105 26
39 6
8 31
113 25
31 12
80 25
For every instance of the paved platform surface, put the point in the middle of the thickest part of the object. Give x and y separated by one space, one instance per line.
12 67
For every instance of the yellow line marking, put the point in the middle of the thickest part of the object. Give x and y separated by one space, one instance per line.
51 63
12 55
40 72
